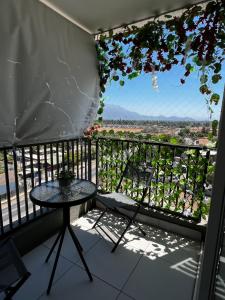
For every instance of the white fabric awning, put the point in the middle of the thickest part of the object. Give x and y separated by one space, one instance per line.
95 15
49 84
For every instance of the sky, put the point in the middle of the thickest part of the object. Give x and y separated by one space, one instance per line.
171 99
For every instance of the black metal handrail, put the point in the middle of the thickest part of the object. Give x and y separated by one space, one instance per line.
180 173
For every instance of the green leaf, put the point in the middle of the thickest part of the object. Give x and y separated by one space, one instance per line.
100 110
188 67
203 79
215 98
170 38
217 67
197 61
103 89
116 78
216 78
122 82
203 88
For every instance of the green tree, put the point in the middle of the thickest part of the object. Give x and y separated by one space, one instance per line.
214 127
184 132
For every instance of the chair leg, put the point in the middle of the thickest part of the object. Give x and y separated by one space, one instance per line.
99 218
128 225
117 243
139 227
16 287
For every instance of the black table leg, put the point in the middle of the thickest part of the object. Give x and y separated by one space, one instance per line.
56 261
74 236
66 217
77 244
66 220
66 224
53 246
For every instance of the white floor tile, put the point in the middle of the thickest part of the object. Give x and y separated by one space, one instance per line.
155 279
87 221
40 273
87 239
115 267
76 285
122 296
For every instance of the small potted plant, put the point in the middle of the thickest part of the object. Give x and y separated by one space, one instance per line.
66 177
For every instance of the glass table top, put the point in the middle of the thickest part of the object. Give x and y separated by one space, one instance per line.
55 194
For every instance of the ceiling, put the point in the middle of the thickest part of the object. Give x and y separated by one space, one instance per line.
93 15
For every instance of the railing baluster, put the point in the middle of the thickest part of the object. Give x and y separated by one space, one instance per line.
25 184
111 165
149 147
164 177
57 159
186 182
85 159
16 186
77 158
81 157
73 166
194 179
52 161
97 161
68 155
89 160
32 175
204 181
63 156
1 217
45 163
7 188
39 170
157 171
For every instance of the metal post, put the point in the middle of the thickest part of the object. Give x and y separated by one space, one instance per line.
89 160
214 233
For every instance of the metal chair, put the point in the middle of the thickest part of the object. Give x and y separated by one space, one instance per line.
119 203
13 272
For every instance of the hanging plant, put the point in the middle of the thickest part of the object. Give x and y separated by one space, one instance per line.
195 40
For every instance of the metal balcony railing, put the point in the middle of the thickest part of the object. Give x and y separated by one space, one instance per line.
181 180
24 167
178 186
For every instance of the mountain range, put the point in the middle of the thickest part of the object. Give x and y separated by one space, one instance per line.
116 112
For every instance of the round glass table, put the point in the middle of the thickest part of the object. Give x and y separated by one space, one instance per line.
56 194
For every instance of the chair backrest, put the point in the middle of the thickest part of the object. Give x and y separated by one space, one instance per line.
139 176
12 268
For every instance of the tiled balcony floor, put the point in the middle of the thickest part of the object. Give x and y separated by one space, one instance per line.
158 267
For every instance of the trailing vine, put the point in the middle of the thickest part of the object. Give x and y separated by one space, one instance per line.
195 40
180 175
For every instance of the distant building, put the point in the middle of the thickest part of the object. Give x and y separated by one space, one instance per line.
202 142
195 129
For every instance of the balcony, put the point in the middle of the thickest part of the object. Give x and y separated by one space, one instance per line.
160 266
175 226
